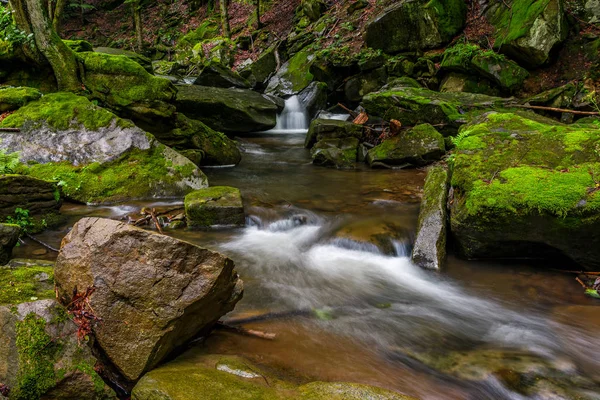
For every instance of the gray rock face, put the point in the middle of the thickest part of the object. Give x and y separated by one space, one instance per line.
9 235
227 110
35 195
429 250
167 291
314 98
331 129
40 356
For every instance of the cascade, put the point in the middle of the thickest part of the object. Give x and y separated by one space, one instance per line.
293 118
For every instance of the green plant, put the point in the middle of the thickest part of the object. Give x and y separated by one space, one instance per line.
458 138
21 217
8 162
9 31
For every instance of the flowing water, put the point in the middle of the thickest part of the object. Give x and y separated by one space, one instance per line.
325 254
293 118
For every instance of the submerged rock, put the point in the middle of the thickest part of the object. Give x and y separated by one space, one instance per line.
526 186
416 146
416 25
40 356
216 205
321 129
227 110
95 156
338 153
372 234
9 236
168 291
12 98
429 250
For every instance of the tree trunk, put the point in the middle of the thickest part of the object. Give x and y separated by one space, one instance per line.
137 20
56 15
258 23
32 16
225 19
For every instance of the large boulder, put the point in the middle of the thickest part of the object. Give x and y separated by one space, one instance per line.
338 153
526 186
201 144
227 110
260 70
128 89
529 30
412 25
217 75
40 355
40 199
95 156
416 147
12 98
429 250
153 292
9 236
313 98
293 76
216 205
331 129
459 82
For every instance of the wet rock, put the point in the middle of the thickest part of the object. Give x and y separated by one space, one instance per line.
96 156
40 356
197 376
458 82
13 98
168 291
429 250
144 61
293 76
358 86
314 98
227 110
417 146
542 206
338 153
9 236
372 234
321 129
217 205
416 25
217 75
536 31
40 198
263 68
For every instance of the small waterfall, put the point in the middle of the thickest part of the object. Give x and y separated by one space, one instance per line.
293 118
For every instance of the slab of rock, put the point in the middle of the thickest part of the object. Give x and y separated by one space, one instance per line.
216 205
227 110
314 98
293 76
429 250
417 147
218 75
153 292
331 129
338 153
41 198
459 82
9 236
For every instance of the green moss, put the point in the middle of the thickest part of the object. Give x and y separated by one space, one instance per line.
86 368
37 352
14 98
515 22
23 284
79 46
451 16
217 205
298 72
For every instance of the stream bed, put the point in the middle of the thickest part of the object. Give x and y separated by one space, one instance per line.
330 250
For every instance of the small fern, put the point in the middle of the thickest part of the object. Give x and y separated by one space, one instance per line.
8 162
456 140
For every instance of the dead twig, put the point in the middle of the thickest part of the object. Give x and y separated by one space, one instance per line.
46 245
246 332
562 110
10 130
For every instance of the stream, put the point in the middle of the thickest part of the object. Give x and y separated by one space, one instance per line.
358 310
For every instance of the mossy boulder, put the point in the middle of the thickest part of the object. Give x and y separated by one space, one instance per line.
458 82
261 69
217 205
79 46
313 9
321 129
40 356
566 96
338 153
227 110
196 375
358 86
9 236
94 156
12 98
293 76
133 56
128 89
529 30
429 250
201 144
412 25
527 186
217 75
40 199
413 106
416 147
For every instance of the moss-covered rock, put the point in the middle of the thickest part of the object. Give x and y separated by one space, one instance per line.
133 56
195 376
416 25
358 86
413 106
261 69
227 110
529 30
429 250
565 96
12 98
94 156
457 82
22 281
9 236
79 46
217 205
338 152
126 88
293 76
331 129
201 144
217 75
527 187
417 147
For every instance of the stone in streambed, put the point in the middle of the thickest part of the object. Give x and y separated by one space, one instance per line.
153 292
331 129
9 236
429 250
338 153
217 205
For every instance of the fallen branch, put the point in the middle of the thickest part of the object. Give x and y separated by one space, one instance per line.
46 245
246 332
577 272
10 130
562 110
352 113
581 283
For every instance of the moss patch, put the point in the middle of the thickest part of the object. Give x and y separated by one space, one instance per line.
13 98
27 283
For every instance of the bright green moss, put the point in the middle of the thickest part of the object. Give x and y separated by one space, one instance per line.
27 283
298 72
13 98
451 16
515 22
